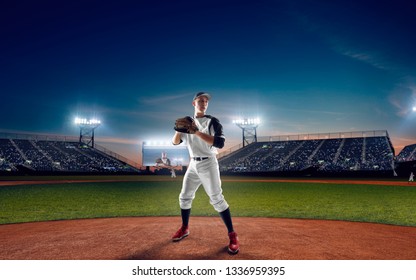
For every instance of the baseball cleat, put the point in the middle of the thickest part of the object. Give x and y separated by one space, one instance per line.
181 234
234 245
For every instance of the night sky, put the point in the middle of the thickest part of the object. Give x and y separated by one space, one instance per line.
300 66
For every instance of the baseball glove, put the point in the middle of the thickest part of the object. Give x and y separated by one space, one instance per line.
185 125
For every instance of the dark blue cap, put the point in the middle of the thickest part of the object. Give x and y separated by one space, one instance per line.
199 94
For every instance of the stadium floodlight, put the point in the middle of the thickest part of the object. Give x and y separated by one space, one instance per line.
89 122
247 122
249 129
157 143
86 130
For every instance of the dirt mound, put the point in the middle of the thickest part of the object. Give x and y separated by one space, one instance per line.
148 238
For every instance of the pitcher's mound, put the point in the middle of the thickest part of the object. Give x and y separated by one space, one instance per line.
149 238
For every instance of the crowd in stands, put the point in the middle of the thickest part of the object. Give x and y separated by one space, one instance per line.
52 156
407 154
327 155
332 155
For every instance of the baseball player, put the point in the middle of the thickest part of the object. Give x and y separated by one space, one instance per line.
172 173
163 161
203 137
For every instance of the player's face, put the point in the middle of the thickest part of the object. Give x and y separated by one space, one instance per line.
200 104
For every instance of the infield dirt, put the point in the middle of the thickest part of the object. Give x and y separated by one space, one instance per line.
148 238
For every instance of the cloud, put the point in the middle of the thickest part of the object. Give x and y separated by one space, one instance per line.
320 112
118 140
163 98
370 58
401 142
347 45
357 40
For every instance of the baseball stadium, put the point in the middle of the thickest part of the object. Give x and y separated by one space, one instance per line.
333 196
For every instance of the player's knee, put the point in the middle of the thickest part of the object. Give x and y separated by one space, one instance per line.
185 202
222 206
219 203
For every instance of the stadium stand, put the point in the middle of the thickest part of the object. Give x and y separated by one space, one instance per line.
406 161
407 154
338 155
48 156
369 153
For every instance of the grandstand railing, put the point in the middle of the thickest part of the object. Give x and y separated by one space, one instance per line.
311 136
318 136
38 137
115 155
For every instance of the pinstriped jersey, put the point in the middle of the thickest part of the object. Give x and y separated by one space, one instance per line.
198 147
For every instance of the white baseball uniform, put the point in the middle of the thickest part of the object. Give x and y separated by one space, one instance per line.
203 167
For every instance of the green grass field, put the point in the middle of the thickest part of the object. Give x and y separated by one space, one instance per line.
148 197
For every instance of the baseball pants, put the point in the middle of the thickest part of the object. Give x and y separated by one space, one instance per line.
207 173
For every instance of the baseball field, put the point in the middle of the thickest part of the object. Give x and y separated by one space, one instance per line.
132 217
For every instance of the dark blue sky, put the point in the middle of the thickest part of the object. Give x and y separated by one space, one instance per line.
301 66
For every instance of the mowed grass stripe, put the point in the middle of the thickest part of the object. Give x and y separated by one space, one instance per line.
366 203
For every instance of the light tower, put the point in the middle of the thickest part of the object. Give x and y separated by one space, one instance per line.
248 127
86 130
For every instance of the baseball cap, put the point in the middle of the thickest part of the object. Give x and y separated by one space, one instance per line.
199 94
